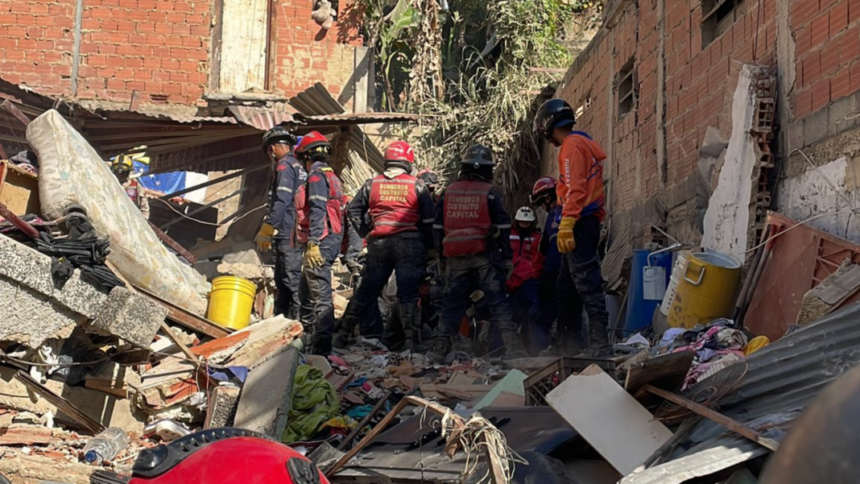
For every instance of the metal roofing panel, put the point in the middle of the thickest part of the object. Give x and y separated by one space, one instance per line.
261 118
781 381
316 101
362 118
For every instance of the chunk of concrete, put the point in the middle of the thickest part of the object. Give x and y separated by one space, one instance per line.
223 402
30 318
129 316
267 395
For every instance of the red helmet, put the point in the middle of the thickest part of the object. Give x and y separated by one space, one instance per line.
399 151
543 185
314 139
224 456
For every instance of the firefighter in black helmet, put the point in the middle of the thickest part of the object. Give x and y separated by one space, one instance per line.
472 231
281 219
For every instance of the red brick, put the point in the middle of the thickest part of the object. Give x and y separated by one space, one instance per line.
124 74
146 4
849 46
820 29
838 17
115 84
188 66
163 28
115 61
170 64
181 30
178 77
172 88
160 76
164 6
193 42
840 84
820 94
855 76
183 7
853 10
196 19
811 68
134 62
93 60
829 58
135 86
157 16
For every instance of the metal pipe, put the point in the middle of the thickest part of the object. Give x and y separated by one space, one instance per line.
18 222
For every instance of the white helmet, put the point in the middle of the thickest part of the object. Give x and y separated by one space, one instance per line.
525 214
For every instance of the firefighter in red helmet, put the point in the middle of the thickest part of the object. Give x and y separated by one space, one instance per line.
395 212
277 230
319 230
473 230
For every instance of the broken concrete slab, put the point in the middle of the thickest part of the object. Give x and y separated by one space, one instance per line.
35 469
35 308
267 395
610 419
133 318
253 345
221 411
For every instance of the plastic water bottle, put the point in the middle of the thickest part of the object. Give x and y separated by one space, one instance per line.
105 446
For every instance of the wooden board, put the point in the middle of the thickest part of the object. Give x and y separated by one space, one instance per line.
609 418
19 190
665 371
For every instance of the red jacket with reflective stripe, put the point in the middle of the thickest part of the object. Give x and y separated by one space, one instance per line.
467 220
393 205
333 205
524 248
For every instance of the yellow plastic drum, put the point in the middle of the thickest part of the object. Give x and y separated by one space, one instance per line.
231 301
707 289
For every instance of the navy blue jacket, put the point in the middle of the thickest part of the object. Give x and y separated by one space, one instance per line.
289 176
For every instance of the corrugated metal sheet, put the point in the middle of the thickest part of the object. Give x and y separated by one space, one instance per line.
179 116
781 381
316 101
262 118
361 118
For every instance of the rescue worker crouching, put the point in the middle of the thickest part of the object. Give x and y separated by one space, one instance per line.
581 196
277 230
399 235
522 286
472 229
319 231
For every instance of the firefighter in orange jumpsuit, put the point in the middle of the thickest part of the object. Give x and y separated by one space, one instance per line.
580 194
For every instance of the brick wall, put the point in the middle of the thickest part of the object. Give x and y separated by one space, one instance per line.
827 52
682 88
160 48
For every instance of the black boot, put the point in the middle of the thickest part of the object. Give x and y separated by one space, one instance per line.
417 335
440 350
514 347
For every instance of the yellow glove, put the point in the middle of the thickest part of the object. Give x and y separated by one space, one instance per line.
264 237
313 258
566 243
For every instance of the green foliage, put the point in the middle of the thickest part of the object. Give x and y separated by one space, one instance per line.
487 54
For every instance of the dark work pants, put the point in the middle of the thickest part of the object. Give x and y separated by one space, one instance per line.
288 277
580 284
403 254
540 337
524 309
316 289
463 275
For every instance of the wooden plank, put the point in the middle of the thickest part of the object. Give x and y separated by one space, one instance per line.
187 319
665 371
383 424
376 408
715 416
172 337
172 243
106 385
24 435
61 403
610 419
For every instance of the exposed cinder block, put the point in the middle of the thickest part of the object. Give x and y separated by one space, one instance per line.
30 318
222 406
129 316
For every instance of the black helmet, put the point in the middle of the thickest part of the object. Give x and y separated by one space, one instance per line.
478 155
278 134
555 113
428 177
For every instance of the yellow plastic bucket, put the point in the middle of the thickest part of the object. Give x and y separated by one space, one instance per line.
706 290
231 301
